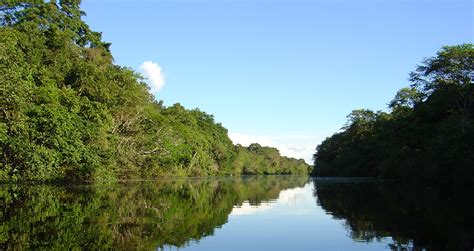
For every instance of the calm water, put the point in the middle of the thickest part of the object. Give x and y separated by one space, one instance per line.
245 213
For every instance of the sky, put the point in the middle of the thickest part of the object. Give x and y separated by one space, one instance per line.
282 73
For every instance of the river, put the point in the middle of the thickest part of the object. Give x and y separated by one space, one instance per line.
237 213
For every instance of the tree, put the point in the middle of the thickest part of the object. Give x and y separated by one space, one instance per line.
406 97
428 136
67 112
452 72
52 16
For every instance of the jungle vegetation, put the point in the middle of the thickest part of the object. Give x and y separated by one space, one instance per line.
428 134
68 113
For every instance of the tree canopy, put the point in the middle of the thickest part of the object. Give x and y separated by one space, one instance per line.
69 113
428 134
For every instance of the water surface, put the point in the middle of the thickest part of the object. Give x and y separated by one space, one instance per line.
243 213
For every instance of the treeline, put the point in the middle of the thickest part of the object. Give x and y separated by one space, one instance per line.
257 159
428 135
69 113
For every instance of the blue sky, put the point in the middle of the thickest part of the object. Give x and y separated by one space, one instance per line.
283 73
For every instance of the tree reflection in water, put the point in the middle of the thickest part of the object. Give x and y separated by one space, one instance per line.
416 217
134 215
157 214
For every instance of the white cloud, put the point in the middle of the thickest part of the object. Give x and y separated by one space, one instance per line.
295 146
297 198
292 196
154 75
246 208
247 139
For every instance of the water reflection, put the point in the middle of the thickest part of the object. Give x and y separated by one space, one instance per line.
138 215
415 217
288 197
245 213
247 208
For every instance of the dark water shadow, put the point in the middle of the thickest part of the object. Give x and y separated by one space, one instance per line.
416 217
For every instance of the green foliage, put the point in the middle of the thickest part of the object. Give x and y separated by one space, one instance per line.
428 136
256 159
68 113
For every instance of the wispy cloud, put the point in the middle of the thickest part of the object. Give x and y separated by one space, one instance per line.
295 146
154 75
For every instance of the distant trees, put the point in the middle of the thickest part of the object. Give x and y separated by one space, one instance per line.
428 135
257 159
68 113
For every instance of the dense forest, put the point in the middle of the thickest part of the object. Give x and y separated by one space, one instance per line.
69 113
428 134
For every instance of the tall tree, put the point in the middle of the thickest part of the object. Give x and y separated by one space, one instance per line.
450 72
428 136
